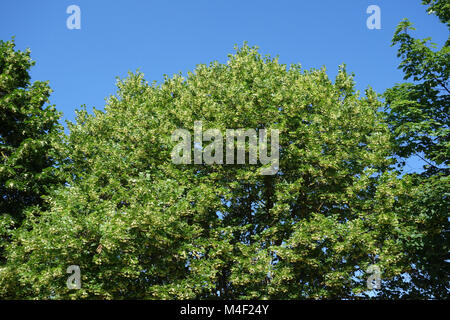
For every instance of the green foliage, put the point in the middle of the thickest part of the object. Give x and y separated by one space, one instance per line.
418 114
441 8
140 226
427 255
28 132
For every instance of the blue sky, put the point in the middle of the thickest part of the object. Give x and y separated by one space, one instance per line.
166 37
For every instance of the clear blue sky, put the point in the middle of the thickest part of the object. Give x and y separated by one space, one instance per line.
166 37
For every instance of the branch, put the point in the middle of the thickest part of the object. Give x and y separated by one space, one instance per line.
426 161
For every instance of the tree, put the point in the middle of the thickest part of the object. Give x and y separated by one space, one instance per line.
27 133
418 114
140 226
